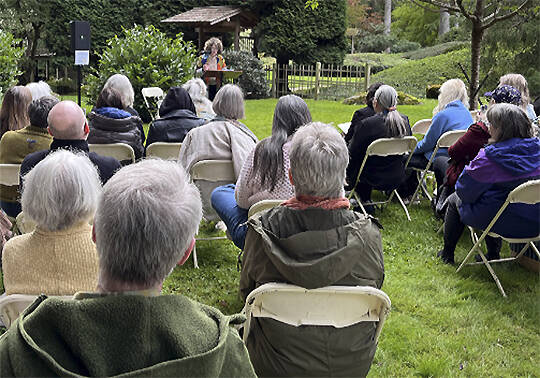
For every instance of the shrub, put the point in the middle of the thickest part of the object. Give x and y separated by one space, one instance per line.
253 79
440 49
377 61
403 99
63 85
432 91
148 58
10 55
380 42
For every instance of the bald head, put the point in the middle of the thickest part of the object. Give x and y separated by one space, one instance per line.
66 120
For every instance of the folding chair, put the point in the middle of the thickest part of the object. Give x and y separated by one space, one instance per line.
119 151
212 171
335 306
263 205
11 306
421 127
163 150
9 176
156 96
528 193
446 140
386 147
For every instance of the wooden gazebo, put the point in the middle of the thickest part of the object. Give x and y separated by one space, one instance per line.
220 19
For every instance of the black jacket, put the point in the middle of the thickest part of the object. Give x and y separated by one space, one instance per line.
383 173
358 116
106 165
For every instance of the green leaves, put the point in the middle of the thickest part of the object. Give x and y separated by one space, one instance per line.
10 54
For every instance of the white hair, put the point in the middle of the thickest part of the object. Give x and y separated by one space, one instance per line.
520 83
122 84
197 91
451 90
39 89
146 219
61 190
229 102
319 158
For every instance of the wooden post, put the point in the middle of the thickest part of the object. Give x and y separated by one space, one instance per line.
367 76
274 80
237 34
317 79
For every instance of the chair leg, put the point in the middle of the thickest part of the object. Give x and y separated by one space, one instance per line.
402 204
360 203
194 254
486 263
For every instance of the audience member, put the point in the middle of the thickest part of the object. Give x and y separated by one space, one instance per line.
127 327
58 258
224 138
109 123
177 115
312 240
520 83
14 110
265 174
363 113
15 145
511 158
69 129
197 90
382 173
39 89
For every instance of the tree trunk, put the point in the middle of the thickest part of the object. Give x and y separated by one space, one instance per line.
477 35
387 16
444 22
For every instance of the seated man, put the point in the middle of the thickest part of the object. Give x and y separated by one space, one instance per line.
127 327
312 240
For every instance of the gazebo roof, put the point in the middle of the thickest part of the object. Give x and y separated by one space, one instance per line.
214 15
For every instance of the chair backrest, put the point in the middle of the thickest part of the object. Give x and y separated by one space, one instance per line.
421 126
157 95
263 205
9 174
213 170
449 138
152 92
119 151
11 306
344 127
336 306
528 192
164 150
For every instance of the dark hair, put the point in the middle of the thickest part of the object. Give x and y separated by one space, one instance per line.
14 110
291 112
510 120
39 109
371 93
110 97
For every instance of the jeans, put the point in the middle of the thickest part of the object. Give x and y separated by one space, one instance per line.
233 216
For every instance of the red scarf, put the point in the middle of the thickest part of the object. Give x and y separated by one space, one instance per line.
303 202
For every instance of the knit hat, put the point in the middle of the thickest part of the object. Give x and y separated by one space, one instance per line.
506 94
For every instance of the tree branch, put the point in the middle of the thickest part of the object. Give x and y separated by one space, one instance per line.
425 7
463 11
441 4
506 16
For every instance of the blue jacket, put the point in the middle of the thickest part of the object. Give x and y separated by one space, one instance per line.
455 116
485 183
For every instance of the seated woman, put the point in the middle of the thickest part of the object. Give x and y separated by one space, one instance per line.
265 174
382 173
312 240
110 123
39 89
511 158
363 113
177 116
197 91
520 83
58 258
223 138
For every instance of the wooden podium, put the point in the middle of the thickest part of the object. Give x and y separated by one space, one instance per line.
221 74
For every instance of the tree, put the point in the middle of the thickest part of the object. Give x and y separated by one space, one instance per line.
444 22
9 56
414 23
482 14
387 16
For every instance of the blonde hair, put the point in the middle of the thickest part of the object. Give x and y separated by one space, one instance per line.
520 83
213 42
451 90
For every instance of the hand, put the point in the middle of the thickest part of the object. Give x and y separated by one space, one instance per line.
481 116
206 67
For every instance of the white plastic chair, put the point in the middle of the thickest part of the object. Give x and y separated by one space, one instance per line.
156 95
344 127
336 306
119 151
164 150
446 140
528 193
421 127
11 306
9 174
386 147
212 171
263 205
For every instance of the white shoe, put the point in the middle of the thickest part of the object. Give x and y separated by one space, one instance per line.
220 226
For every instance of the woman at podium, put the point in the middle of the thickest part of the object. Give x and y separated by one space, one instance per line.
209 62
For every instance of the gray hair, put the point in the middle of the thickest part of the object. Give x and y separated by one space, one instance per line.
229 102
122 84
319 158
39 109
61 190
451 90
520 83
387 98
39 89
146 219
196 88
510 121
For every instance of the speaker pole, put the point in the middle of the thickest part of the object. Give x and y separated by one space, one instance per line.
79 85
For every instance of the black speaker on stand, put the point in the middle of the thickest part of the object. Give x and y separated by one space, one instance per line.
80 43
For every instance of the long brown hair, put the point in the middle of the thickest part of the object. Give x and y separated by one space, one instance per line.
14 110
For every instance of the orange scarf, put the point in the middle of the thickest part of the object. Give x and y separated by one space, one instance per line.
303 202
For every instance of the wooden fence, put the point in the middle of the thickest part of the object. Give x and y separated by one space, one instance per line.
318 81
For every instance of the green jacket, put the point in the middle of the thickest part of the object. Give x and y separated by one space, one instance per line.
311 248
14 146
130 335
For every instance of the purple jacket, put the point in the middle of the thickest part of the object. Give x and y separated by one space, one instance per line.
486 181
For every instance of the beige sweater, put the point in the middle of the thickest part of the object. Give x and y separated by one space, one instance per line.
53 263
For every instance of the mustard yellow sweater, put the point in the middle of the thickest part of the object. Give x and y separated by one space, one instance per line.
53 263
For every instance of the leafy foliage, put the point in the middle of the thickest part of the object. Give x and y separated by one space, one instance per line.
436 50
148 58
380 42
9 58
411 22
253 79
378 62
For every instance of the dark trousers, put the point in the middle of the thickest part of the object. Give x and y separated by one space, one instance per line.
438 166
453 228
212 90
